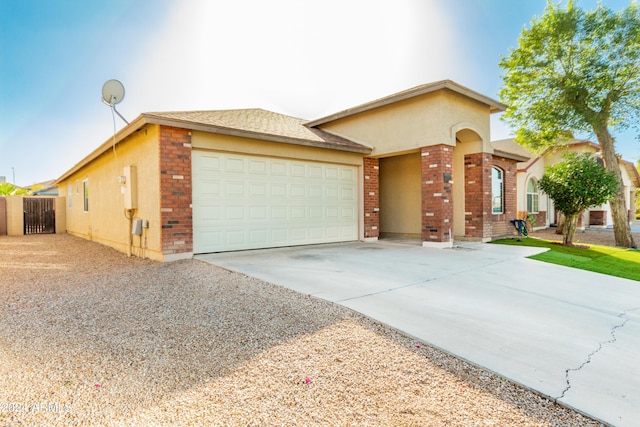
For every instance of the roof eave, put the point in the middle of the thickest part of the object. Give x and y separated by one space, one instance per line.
633 172
123 133
185 124
511 156
146 118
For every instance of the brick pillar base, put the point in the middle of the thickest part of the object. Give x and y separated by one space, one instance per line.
371 172
175 193
437 196
477 195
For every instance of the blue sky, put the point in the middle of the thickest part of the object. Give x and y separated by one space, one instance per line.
301 58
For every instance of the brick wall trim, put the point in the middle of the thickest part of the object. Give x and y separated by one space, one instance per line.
437 195
371 179
176 216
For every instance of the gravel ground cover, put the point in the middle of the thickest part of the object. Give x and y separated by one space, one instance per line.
91 337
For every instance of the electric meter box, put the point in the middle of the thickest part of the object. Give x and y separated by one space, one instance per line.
130 187
136 228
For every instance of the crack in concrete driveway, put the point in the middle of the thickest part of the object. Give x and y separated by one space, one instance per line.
601 344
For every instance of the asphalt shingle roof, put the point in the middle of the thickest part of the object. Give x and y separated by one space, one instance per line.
257 123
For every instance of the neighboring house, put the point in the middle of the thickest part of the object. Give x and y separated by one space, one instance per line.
532 201
46 188
47 191
418 163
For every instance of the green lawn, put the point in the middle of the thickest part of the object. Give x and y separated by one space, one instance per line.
602 259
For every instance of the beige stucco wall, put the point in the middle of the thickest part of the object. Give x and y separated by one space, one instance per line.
400 195
61 215
15 216
235 144
105 221
425 120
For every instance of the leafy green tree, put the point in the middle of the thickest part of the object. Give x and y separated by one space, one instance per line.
577 71
7 189
575 184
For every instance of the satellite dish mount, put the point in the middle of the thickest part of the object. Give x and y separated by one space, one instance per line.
112 94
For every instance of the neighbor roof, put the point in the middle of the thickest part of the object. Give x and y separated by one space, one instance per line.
494 106
507 148
633 172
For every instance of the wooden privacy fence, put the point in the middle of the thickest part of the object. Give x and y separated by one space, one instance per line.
39 215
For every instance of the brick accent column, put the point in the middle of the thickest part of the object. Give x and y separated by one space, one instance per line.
175 191
501 224
371 175
477 195
437 194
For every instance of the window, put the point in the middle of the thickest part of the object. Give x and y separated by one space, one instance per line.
497 191
70 194
532 196
85 187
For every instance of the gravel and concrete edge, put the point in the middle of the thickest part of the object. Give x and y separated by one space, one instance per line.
91 337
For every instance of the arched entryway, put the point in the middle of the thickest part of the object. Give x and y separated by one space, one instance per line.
468 142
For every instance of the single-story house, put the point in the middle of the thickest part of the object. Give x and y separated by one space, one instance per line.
532 201
418 163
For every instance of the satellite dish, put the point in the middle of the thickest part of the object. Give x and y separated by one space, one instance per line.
112 92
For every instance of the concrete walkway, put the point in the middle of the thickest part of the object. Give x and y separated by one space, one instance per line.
569 334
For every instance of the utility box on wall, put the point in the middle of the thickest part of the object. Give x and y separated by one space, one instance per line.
130 187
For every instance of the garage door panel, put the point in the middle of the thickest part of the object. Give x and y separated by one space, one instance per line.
258 189
316 213
257 213
210 214
298 212
280 235
278 190
234 189
234 165
208 162
279 213
297 191
257 236
234 237
332 173
331 192
316 233
315 192
348 213
258 167
297 170
299 235
347 174
250 202
347 193
235 213
278 168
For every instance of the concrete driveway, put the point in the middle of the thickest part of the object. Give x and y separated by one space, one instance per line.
569 334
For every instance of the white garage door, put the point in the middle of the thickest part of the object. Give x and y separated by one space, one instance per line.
250 202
